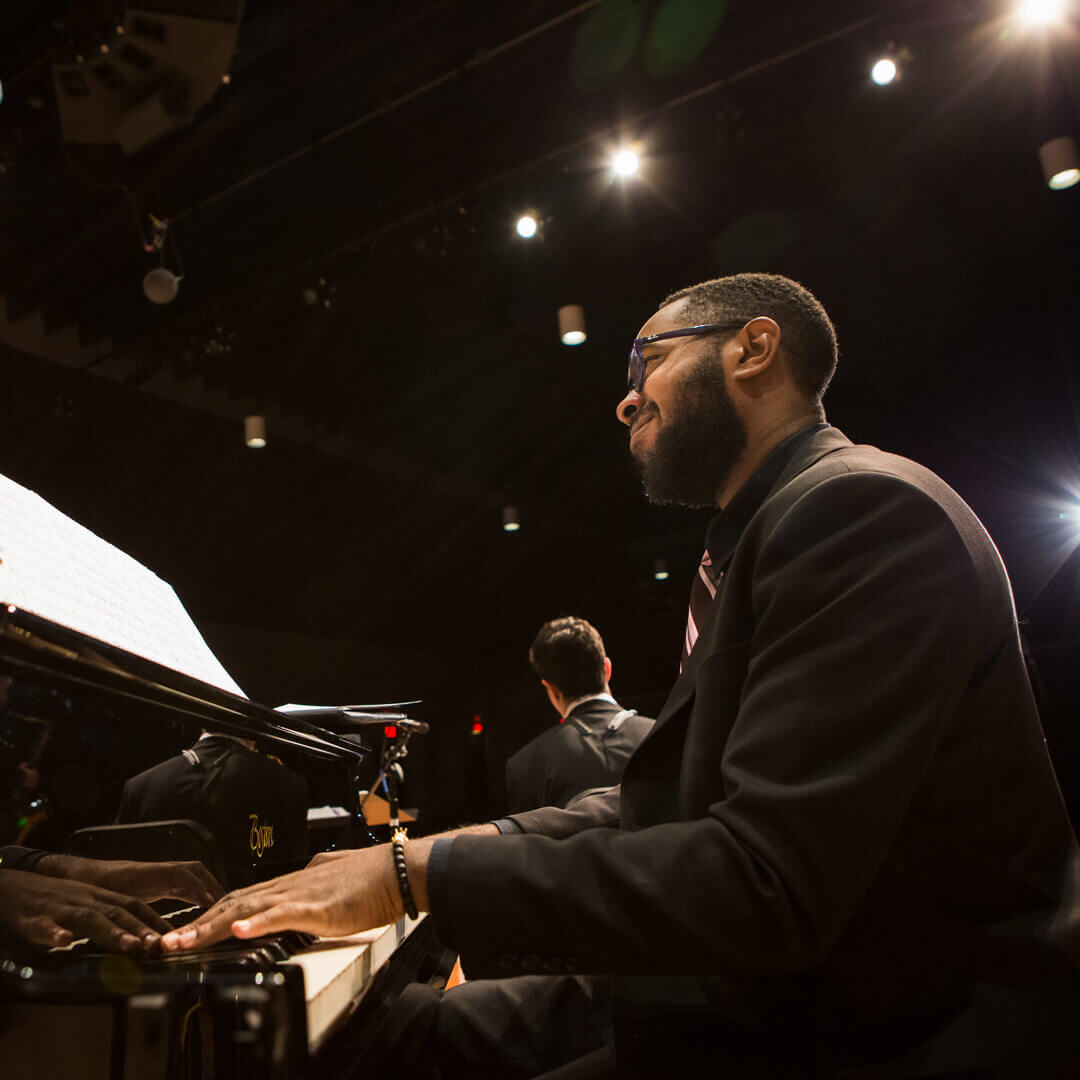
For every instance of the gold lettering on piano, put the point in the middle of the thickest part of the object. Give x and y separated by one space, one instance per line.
262 836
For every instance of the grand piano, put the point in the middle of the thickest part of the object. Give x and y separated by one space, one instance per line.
79 716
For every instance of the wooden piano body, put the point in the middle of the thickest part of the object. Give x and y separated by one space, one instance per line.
77 717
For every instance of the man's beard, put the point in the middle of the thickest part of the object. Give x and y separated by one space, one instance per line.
699 443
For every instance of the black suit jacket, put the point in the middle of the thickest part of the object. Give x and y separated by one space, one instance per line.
253 806
582 752
844 820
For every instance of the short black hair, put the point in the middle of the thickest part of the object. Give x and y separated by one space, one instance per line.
569 653
808 335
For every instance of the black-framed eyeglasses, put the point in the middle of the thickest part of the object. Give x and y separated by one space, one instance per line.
635 376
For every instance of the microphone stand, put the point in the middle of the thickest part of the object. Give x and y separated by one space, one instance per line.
392 771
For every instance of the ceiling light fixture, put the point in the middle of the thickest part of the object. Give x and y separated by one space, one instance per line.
511 523
255 431
1060 160
526 226
625 162
572 324
884 71
660 570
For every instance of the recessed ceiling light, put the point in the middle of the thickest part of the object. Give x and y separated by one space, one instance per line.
1060 159
572 324
255 431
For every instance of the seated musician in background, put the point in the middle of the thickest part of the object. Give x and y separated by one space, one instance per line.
51 900
254 807
841 850
595 734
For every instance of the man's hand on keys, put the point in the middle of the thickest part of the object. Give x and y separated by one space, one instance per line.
342 893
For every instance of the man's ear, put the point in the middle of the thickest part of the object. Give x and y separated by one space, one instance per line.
607 670
554 695
759 340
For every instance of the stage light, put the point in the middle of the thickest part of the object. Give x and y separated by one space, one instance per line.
884 71
255 431
511 522
572 324
660 570
1060 160
1040 12
526 226
625 162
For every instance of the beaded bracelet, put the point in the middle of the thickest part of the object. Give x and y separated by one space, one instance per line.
398 848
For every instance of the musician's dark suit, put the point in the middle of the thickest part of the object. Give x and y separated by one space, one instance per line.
585 751
254 807
843 829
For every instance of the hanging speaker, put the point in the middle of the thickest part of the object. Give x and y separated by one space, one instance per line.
161 285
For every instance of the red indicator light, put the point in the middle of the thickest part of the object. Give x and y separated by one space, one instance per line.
390 731
477 728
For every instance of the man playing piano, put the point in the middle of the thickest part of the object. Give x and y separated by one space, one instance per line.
840 850
52 900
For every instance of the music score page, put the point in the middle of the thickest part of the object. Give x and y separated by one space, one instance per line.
57 569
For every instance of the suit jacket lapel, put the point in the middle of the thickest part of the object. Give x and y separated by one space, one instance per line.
820 444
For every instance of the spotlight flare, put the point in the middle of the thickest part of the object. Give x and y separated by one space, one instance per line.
1040 12
884 71
625 162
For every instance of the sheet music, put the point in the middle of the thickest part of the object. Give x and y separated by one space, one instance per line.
54 567
389 709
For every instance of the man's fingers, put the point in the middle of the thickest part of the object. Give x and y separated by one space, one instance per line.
285 916
211 926
109 925
258 913
43 930
100 928
146 915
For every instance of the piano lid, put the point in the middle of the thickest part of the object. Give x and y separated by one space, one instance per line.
77 612
38 650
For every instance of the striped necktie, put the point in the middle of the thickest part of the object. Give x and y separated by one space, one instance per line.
701 597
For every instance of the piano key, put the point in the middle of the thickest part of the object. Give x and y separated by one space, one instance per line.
338 972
